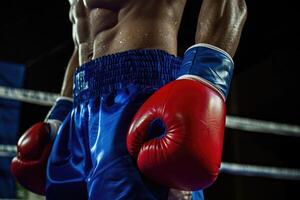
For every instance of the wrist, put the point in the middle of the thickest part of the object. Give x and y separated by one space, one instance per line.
58 113
53 126
208 64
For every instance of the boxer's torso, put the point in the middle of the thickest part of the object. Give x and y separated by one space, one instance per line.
102 27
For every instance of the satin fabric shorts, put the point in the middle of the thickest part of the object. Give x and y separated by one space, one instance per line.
89 158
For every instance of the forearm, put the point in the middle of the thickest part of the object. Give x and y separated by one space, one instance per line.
67 87
220 23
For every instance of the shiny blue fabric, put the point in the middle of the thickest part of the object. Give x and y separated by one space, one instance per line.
198 195
209 64
89 159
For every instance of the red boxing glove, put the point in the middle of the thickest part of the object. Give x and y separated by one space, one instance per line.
30 164
177 134
34 146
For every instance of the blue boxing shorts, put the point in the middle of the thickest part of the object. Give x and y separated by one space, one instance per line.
89 158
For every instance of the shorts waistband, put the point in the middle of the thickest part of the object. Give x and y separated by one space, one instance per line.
144 68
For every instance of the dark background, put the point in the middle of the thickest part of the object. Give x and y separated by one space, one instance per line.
265 84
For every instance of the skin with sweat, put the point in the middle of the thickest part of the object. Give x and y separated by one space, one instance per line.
103 27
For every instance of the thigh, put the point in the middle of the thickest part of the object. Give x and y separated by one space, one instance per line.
114 174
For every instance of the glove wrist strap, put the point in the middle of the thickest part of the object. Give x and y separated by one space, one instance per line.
211 47
210 63
58 113
53 126
60 109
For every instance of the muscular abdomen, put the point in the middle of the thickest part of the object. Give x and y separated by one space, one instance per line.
121 25
79 16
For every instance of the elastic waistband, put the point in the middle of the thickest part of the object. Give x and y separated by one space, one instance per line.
144 68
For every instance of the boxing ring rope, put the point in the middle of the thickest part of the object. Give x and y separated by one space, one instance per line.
8 150
232 122
260 171
261 126
28 96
